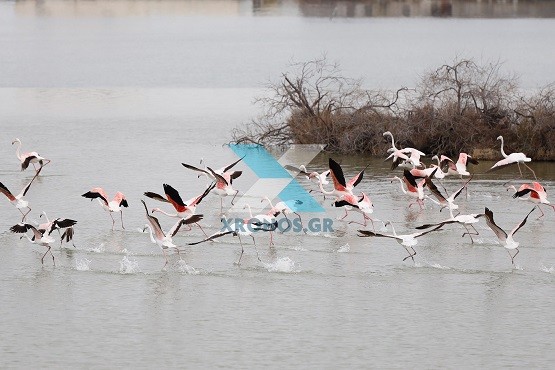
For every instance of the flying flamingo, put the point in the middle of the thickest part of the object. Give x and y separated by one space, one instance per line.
414 189
507 240
58 224
363 206
245 227
224 178
113 206
536 194
442 201
407 240
397 155
164 240
460 167
30 157
17 200
38 238
183 209
517 158
465 220
282 208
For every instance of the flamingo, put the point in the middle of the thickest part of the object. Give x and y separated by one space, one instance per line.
406 240
30 157
536 194
245 227
365 207
43 239
164 240
58 224
17 200
460 219
449 201
460 167
113 206
224 178
342 190
313 175
517 158
397 154
414 189
507 240
183 209
263 222
284 209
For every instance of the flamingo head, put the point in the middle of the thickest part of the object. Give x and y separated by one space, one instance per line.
500 137
155 210
16 140
395 178
302 168
387 133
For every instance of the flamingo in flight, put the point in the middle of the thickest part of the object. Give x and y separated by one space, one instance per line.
506 239
342 190
284 209
164 240
29 158
224 178
460 167
246 228
363 206
536 194
512 158
313 175
58 224
415 188
182 209
17 200
442 201
43 237
465 220
407 240
407 155
113 206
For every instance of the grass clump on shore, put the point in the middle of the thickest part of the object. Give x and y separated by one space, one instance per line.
462 106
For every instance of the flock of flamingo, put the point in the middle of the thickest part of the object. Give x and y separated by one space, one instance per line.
415 179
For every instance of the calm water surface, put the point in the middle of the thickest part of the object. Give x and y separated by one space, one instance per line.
120 102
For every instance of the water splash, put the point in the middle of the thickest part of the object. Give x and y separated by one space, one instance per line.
100 249
83 264
344 248
126 266
283 264
438 266
549 270
184 267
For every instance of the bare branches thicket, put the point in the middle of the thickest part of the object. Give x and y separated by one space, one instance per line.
456 107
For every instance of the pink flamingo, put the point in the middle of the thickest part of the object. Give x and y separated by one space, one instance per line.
536 194
30 157
414 189
183 209
114 206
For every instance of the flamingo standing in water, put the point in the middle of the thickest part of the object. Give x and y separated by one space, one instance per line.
536 194
407 240
17 200
517 158
30 157
114 206
183 209
164 240
506 239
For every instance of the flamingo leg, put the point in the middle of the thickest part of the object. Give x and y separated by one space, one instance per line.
113 221
256 249
271 239
301 220
519 170
410 254
121 215
513 257
532 173
242 249
469 233
201 229
541 212
236 192
166 257
345 214
289 223
44 255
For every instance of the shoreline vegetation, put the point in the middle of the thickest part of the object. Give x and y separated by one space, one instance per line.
462 106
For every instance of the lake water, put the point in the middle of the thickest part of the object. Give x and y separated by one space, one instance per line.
118 96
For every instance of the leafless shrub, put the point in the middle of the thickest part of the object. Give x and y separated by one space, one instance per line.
456 107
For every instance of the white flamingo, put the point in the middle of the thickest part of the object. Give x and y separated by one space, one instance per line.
506 239
29 157
113 206
517 158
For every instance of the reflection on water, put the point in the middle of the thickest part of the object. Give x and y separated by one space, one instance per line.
305 8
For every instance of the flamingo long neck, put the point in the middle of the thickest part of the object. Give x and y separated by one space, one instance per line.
150 232
512 187
323 190
402 187
250 211
164 212
392 140
502 144
393 229
269 201
17 150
